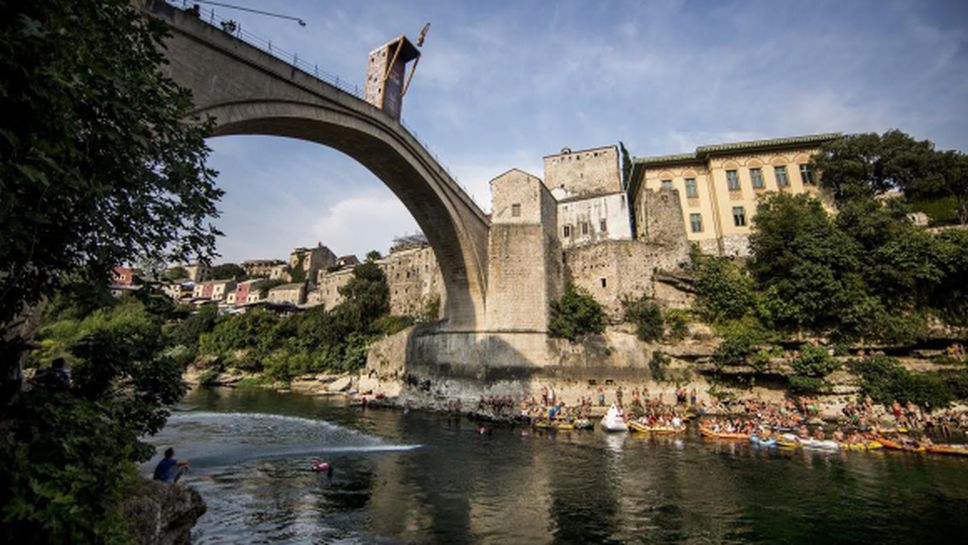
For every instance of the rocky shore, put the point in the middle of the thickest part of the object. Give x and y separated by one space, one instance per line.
164 514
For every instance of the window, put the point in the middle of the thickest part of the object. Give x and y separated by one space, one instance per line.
781 176
666 184
566 231
695 221
515 210
602 280
732 180
602 226
584 227
691 190
806 174
739 216
756 175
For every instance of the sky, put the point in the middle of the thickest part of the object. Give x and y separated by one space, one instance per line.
502 84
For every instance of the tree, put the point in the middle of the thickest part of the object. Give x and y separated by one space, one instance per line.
226 271
865 165
574 314
724 289
373 255
366 296
175 273
647 317
810 270
98 165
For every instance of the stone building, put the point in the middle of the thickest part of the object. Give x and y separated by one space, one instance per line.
592 206
261 268
311 260
413 278
197 272
293 294
524 265
719 186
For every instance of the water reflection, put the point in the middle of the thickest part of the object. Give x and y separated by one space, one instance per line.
521 486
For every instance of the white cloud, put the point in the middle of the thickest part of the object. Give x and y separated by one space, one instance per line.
360 224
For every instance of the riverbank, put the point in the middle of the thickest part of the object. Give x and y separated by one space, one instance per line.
592 372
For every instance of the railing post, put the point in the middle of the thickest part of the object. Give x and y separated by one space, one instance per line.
270 46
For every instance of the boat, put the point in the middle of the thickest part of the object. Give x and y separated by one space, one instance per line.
553 425
635 425
817 444
949 449
758 441
902 445
614 420
863 445
706 432
584 424
788 440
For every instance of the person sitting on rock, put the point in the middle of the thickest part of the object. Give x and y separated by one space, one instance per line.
169 470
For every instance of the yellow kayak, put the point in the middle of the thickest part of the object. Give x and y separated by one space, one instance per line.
555 425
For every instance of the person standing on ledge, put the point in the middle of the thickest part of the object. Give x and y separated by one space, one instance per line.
169 470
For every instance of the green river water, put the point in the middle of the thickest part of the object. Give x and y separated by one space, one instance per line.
429 478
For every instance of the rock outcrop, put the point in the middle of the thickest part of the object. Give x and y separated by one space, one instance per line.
164 514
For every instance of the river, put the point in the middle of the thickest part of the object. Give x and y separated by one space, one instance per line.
427 478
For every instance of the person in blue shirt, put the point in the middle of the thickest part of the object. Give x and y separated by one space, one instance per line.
169 469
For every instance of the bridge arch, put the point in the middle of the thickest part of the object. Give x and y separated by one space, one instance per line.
248 91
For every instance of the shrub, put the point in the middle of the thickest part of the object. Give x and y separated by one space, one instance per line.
885 381
814 361
657 366
646 315
802 384
741 340
677 323
575 314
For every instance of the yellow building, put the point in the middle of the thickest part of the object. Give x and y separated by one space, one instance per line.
719 185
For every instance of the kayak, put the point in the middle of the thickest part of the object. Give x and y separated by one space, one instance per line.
553 425
584 424
817 444
756 440
706 432
951 449
897 445
645 428
614 420
869 445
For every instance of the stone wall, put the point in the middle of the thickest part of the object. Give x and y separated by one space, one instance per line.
413 278
612 270
584 172
524 270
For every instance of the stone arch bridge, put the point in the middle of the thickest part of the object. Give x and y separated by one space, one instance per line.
249 91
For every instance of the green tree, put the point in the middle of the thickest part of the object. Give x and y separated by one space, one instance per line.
366 297
175 273
226 271
574 314
810 269
724 289
646 315
98 165
373 255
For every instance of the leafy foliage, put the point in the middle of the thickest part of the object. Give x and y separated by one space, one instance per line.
724 289
98 166
647 317
814 361
677 323
742 339
67 450
226 271
885 380
574 314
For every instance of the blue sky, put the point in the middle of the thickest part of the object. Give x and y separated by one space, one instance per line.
501 84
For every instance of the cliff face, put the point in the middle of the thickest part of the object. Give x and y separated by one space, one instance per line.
164 514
